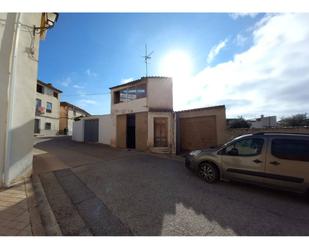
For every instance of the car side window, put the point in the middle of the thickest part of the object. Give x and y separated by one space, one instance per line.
245 147
290 149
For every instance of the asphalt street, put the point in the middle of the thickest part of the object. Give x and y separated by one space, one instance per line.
97 190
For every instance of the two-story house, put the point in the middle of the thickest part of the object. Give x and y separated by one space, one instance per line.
142 118
68 113
47 109
142 111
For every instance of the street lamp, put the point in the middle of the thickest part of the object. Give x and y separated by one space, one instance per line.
48 21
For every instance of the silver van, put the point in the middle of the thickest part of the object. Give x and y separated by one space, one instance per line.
273 159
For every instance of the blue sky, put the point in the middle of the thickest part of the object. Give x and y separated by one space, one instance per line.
85 54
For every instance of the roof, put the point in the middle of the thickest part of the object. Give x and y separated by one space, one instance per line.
203 108
138 80
63 103
49 85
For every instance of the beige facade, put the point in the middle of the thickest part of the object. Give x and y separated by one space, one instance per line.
19 48
68 113
142 118
139 102
47 109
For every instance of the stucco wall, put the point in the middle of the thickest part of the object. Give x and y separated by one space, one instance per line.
46 117
160 93
138 105
18 77
66 119
106 129
54 126
63 118
78 131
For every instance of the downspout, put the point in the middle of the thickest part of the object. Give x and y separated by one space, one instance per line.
10 96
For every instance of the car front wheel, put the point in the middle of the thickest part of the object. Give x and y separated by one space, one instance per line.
208 172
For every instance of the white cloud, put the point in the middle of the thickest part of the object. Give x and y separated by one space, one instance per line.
123 81
66 82
78 86
271 77
240 40
88 102
90 73
215 50
235 16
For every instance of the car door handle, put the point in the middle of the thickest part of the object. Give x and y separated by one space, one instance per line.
257 161
274 163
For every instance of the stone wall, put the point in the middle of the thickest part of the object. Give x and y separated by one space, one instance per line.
231 133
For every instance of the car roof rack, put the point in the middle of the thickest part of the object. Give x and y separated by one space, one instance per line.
280 133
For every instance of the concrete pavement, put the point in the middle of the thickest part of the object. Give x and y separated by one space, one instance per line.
98 190
18 213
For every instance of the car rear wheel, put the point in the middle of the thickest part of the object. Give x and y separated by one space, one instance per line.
208 172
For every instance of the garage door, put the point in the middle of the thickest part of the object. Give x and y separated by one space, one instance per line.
197 133
91 130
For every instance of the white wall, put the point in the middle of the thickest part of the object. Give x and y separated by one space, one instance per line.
106 129
47 117
54 126
78 131
18 78
160 93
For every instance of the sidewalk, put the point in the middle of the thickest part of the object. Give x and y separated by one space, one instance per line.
18 213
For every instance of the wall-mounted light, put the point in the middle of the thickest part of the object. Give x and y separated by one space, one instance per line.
48 21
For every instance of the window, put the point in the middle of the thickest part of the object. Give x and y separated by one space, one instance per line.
38 103
56 95
245 147
290 149
49 92
47 126
74 112
123 95
130 93
49 107
39 88
141 91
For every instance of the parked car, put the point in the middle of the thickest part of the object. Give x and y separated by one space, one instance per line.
272 159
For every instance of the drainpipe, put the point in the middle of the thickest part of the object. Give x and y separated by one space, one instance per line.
11 97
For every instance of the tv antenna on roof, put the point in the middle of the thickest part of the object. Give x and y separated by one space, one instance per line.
147 57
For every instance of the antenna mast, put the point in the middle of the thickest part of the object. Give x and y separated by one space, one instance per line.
147 57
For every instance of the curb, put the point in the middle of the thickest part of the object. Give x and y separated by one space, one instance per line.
48 219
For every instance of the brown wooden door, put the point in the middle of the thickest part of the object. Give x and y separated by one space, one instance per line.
141 130
121 131
160 132
197 133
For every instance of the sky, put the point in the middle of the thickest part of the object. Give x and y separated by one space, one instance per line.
254 64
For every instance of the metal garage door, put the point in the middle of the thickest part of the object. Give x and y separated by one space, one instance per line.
91 130
197 133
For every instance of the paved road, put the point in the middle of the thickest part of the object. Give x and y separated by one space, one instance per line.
103 191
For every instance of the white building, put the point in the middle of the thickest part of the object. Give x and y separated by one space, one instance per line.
264 122
47 109
19 46
142 118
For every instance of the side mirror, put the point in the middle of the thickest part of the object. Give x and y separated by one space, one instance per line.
233 152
